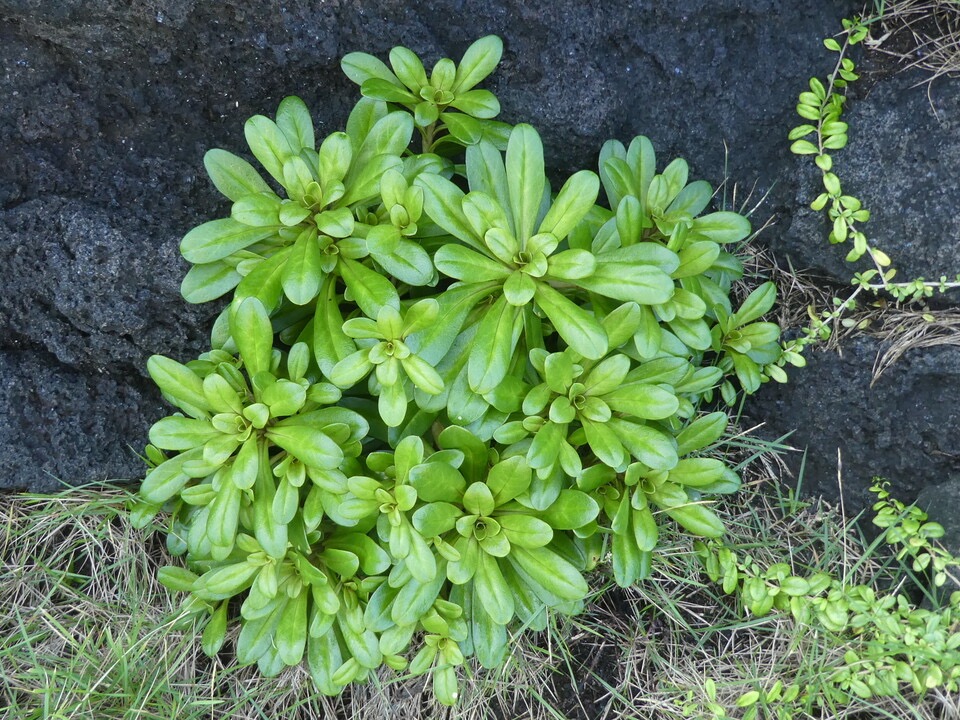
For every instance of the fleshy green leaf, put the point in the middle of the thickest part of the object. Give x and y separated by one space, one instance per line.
379 89
492 591
571 510
526 531
575 198
208 281
442 202
646 444
359 66
697 472
481 104
494 345
422 375
268 144
168 478
252 332
648 402
233 176
314 448
579 329
330 344
525 178
720 227
218 239
757 304
408 67
264 282
696 258
468 265
702 432
180 433
370 290
302 274
178 381
547 570
478 61
437 482
697 519
293 119
261 210
643 284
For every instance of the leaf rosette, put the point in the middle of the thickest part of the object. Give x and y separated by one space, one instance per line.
441 393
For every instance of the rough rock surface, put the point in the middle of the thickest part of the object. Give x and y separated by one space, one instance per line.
942 504
901 159
109 107
902 428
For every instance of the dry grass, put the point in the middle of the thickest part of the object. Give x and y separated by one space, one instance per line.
922 34
904 329
88 633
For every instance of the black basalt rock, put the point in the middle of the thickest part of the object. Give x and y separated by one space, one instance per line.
109 107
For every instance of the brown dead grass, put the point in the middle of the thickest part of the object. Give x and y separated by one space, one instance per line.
88 632
922 34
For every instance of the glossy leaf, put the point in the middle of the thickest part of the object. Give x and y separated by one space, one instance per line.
491 590
233 176
293 119
701 432
330 344
359 66
208 281
573 201
218 239
442 202
268 144
757 304
571 510
720 227
493 346
526 531
646 444
178 382
478 61
302 274
465 264
549 571
579 329
642 284
168 478
305 443
252 332
370 290
525 178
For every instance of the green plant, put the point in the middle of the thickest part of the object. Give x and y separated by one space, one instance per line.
822 106
890 642
440 393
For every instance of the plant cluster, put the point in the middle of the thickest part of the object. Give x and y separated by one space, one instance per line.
441 393
892 643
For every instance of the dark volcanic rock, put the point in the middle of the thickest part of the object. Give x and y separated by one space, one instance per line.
942 505
61 425
902 428
109 107
93 296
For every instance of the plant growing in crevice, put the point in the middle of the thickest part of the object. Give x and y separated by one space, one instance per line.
825 132
441 394
891 642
